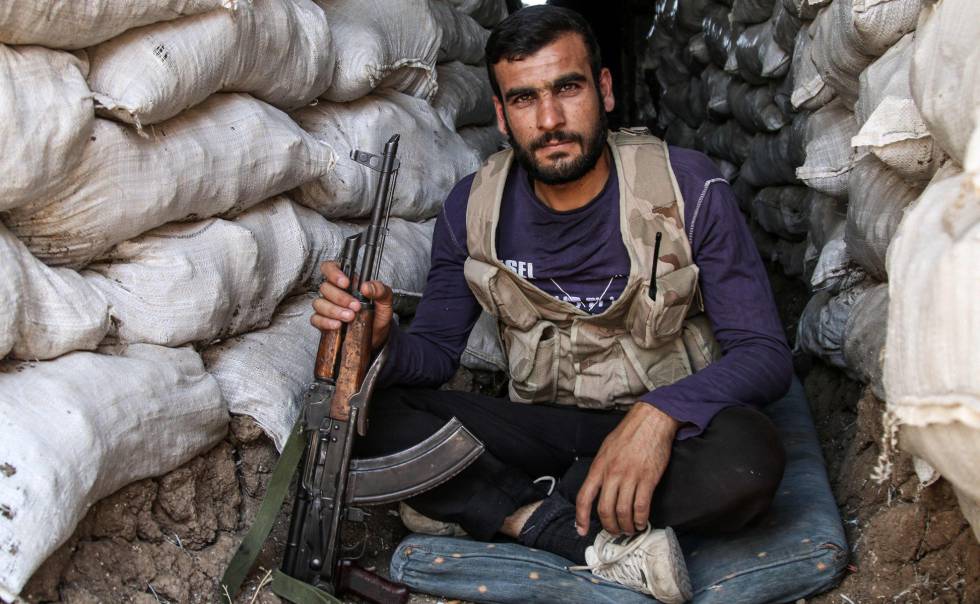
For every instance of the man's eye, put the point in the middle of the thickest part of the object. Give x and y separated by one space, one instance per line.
569 87
523 99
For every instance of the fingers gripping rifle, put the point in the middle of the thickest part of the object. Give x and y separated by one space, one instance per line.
331 484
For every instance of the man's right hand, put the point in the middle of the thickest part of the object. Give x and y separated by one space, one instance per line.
337 306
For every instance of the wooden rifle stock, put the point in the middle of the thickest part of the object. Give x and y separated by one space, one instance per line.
355 356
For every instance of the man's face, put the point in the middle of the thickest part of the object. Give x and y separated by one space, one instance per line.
552 110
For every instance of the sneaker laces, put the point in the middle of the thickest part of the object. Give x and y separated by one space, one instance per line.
617 562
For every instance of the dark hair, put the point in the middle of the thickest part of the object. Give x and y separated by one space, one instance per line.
530 29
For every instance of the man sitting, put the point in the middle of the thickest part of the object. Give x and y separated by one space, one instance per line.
597 253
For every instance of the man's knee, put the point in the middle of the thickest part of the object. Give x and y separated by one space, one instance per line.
755 463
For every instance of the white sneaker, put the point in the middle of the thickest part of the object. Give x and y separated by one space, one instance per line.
420 523
650 562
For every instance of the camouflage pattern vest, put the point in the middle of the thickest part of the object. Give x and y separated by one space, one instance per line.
558 353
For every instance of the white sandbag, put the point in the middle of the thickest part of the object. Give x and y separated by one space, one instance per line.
46 119
836 51
486 12
881 23
77 24
864 338
878 197
279 51
891 125
828 149
945 79
484 352
821 328
464 97
221 157
382 44
782 211
433 157
809 90
46 312
264 373
462 38
78 428
849 34
931 358
201 281
483 140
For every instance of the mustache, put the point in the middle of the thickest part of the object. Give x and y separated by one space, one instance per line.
558 136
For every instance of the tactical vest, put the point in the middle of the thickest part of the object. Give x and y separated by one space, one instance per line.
558 353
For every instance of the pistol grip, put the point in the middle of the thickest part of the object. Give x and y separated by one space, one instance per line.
368 585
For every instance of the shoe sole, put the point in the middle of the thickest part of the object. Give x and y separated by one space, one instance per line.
682 581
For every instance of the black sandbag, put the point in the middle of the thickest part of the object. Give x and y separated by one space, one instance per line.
864 338
696 50
696 104
744 194
718 35
759 57
675 98
727 140
826 213
785 26
751 11
729 171
690 14
770 160
716 82
681 135
804 9
754 108
672 68
782 211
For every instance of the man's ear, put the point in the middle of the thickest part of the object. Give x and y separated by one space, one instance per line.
606 90
498 108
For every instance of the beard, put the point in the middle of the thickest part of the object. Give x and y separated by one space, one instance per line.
567 169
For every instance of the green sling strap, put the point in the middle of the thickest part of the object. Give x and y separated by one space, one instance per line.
283 585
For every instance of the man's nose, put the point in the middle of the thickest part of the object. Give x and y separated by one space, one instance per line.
550 113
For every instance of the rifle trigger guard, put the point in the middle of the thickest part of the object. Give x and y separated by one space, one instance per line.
372 161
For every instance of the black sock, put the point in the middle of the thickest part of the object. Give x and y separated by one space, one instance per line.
551 527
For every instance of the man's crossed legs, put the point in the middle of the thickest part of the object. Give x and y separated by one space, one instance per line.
715 482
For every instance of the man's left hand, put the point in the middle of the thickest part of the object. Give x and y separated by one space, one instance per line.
624 473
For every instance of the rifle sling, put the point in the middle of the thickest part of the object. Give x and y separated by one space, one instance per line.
256 536
294 590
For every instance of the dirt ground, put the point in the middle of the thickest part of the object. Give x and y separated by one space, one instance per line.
167 539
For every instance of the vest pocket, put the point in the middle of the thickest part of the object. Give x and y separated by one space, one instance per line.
653 322
532 358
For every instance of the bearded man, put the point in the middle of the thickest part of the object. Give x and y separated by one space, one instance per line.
637 320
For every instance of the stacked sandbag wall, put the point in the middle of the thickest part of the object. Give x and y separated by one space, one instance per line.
174 173
841 123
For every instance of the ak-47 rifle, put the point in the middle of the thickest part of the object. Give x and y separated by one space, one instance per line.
331 484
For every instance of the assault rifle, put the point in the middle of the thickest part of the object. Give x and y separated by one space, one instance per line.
331 485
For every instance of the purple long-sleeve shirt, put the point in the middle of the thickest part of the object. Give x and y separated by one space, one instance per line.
579 256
